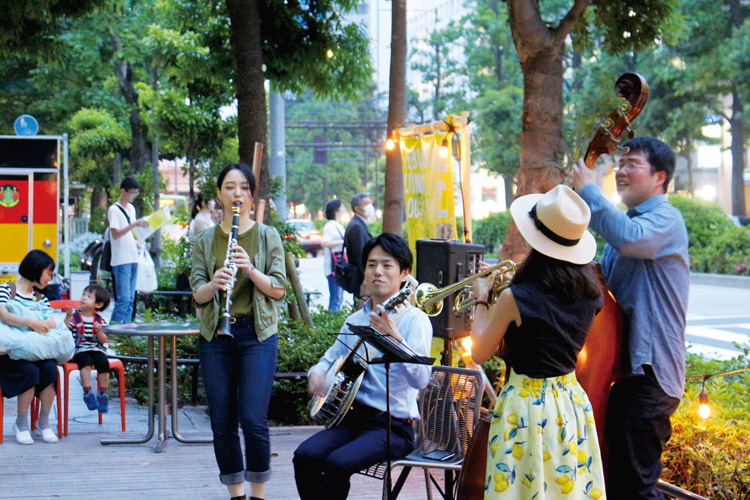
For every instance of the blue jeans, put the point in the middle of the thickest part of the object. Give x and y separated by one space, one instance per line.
336 293
125 276
238 374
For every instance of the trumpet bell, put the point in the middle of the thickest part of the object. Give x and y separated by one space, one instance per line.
425 292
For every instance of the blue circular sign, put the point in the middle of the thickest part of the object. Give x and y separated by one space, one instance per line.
26 125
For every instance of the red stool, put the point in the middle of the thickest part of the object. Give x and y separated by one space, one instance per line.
114 365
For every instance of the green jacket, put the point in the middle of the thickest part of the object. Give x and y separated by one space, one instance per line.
270 261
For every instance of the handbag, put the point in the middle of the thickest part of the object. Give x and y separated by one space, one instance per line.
349 277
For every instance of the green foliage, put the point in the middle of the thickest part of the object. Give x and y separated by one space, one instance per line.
711 457
704 219
300 347
441 72
728 253
491 231
716 244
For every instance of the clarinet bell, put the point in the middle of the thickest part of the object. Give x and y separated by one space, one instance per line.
225 329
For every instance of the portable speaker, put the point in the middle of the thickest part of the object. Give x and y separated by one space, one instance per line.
444 263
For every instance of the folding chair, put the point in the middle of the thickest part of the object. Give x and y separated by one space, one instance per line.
449 408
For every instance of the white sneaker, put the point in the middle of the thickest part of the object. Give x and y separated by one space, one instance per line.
48 436
23 437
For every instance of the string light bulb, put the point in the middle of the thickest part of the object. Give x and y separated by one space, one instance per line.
703 410
444 148
466 351
390 144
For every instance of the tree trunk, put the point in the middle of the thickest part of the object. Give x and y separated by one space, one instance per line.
738 155
124 72
393 210
249 81
691 179
116 171
156 240
540 50
508 180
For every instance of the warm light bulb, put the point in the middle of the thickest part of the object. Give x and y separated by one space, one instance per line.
704 411
390 144
329 53
443 152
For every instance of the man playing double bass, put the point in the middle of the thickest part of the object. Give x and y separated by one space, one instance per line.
324 463
646 266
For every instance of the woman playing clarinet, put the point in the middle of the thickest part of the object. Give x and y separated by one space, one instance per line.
542 441
240 269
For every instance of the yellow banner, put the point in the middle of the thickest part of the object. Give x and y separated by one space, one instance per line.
428 188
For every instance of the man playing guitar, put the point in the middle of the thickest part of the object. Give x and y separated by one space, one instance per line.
324 463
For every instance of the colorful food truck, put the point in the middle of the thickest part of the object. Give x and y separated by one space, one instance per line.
30 215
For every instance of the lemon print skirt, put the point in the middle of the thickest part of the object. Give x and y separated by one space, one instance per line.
543 442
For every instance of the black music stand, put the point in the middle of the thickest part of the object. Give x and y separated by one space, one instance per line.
392 352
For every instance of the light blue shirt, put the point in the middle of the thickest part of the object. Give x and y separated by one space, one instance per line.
647 268
406 379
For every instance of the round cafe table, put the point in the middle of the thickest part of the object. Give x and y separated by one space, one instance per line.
161 331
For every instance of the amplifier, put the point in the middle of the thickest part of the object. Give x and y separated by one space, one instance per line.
443 263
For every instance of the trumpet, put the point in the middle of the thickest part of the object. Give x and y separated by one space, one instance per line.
429 298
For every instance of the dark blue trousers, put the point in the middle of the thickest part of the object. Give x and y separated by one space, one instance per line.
238 374
638 427
324 462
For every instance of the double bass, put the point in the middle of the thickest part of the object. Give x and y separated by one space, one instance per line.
601 362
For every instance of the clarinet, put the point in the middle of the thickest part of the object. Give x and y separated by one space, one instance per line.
225 320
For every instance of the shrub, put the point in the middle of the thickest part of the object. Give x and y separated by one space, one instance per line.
300 347
711 457
729 253
704 220
491 231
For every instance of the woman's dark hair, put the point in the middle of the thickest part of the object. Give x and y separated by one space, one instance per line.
394 246
34 264
242 167
332 207
100 294
197 205
566 281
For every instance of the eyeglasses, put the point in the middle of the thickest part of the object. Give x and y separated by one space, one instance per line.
134 193
631 167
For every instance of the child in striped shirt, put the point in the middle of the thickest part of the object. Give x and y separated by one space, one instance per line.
86 326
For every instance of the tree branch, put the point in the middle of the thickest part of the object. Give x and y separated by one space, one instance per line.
571 18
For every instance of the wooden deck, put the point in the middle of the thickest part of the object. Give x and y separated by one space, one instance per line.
80 467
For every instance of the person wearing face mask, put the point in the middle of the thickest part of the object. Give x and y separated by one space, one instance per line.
357 234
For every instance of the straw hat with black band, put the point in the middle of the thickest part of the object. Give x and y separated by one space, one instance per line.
555 224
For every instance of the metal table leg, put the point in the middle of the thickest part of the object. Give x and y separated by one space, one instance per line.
150 376
175 413
162 437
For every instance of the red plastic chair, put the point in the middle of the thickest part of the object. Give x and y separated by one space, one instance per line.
114 365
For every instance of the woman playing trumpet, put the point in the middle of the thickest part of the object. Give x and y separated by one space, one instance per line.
543 442
238 368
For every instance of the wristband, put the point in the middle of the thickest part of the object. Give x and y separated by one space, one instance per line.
482 303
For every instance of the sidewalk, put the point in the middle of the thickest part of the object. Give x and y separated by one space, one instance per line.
79 467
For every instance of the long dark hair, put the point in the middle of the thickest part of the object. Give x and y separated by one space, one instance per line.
566 281
197 205
242 167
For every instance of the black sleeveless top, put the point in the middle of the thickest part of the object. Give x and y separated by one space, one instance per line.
551 334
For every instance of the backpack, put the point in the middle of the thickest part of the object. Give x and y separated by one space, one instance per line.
105 261
78 322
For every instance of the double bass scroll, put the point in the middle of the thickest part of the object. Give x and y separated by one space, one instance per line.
632 88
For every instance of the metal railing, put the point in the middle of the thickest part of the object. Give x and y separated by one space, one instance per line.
677 492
